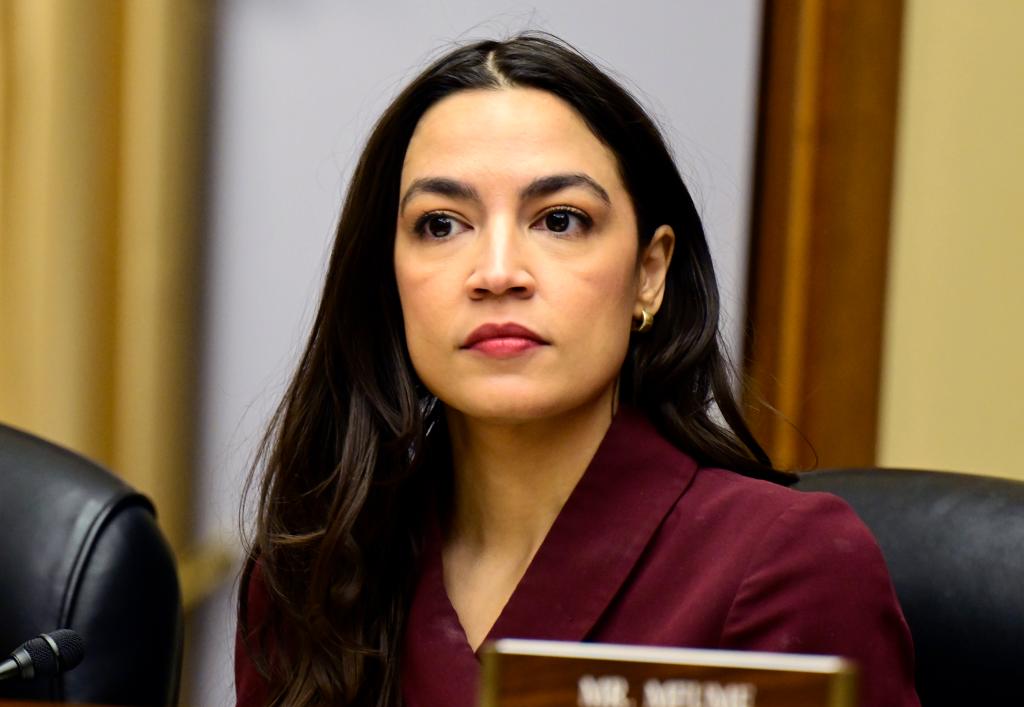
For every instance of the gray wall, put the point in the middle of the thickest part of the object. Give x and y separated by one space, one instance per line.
298 84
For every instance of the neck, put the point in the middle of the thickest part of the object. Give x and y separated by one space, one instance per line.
511 480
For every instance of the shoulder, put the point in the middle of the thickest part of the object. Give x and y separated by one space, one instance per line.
253 600
813 540
253 608
723 521
761 513
730 536
816 537
810 579
640 454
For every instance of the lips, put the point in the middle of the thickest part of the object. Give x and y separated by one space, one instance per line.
502 339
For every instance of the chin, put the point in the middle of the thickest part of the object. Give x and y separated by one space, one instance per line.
499 408
521 406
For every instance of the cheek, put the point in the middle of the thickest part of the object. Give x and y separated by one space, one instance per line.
598 301
411 296
604 292
422 309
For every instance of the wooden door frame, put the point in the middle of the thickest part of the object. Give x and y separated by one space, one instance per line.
820 227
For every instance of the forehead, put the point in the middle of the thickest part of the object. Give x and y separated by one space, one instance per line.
516 133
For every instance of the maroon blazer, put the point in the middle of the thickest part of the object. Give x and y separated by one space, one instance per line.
651 549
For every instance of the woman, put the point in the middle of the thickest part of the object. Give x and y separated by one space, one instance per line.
513 418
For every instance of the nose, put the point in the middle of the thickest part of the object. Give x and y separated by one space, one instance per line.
500 265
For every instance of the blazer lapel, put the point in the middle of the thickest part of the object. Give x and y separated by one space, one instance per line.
632 483
438 666
634 480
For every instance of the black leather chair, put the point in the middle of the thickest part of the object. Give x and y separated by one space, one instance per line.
954 544
81 550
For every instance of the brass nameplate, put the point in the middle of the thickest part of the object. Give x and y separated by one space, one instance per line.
519 673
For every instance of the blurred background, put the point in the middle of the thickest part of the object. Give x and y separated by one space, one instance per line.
171 171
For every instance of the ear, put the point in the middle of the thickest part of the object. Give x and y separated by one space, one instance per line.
653 269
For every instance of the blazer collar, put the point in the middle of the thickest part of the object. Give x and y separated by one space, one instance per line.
632 483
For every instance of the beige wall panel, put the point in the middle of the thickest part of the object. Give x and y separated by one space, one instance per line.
102 107
953 376
57 219
159 180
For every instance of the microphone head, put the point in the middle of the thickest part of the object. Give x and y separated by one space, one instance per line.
69 646
44 662
44 656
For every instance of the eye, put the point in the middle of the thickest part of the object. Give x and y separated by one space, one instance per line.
565 220
438 225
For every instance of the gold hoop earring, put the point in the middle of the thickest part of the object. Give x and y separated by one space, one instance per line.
646 322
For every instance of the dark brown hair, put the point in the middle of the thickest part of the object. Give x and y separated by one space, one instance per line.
341 498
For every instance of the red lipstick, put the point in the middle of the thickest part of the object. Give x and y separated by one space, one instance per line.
502 340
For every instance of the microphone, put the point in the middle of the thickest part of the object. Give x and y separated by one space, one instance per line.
44 656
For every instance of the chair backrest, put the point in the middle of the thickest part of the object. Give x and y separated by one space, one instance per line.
79 549
954 544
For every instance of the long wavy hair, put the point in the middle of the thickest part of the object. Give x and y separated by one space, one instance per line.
339 478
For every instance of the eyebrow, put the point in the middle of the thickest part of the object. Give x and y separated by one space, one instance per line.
542 186
439 185
557 182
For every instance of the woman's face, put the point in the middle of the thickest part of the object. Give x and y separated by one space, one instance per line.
516 257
